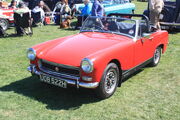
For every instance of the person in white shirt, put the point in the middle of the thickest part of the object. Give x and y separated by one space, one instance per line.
155 8
39 8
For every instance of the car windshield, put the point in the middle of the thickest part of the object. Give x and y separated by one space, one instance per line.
115 25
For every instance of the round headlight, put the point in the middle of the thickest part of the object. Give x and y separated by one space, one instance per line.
31 54
87 65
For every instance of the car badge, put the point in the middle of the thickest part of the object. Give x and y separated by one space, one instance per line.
56 69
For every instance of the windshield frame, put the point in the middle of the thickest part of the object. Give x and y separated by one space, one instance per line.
111 32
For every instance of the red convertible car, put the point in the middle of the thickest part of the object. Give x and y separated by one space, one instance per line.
106 51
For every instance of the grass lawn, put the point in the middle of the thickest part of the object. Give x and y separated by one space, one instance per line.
152 94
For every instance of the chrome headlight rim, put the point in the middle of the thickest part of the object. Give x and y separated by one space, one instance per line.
90 63
33 53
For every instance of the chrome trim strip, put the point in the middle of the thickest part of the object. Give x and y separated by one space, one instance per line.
32 69
136 32
127 71
109 32
88 85
172 24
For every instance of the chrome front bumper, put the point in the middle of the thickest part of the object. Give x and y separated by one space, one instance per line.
32 69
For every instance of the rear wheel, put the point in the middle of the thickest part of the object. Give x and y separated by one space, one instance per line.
4 24
156 57
109 81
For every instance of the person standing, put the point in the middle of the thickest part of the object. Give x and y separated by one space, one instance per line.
97 8
13 4
155 8
85 12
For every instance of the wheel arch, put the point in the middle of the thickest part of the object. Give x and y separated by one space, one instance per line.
117 62
162 47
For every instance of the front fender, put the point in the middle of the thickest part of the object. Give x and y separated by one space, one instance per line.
123 54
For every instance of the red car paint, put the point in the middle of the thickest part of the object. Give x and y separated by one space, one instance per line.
101 48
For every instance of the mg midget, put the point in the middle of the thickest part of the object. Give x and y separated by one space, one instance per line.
107 50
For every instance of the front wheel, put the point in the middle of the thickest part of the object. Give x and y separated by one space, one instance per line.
109 81
156 57
4 24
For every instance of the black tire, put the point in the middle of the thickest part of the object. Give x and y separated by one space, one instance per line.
109 82
4 24
156 57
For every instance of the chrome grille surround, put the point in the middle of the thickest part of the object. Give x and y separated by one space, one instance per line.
71 72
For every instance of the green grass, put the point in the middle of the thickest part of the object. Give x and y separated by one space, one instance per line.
151 94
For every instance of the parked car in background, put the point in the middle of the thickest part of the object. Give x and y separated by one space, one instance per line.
6 17
106 51
111 6
170 15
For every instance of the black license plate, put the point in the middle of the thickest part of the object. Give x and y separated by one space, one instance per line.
53 81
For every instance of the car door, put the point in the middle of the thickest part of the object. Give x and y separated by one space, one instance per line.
144 47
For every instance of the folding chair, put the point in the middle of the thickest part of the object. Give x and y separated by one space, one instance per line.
22 22
37 18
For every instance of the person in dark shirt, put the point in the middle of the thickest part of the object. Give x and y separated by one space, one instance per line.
97 8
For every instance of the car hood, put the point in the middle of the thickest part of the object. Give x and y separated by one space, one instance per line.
71 50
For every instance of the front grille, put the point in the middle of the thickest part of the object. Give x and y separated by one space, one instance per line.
59 68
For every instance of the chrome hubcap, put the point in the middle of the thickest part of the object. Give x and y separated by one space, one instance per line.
3 24
110 81
156 56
